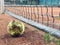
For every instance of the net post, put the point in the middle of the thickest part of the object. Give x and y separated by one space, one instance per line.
2 6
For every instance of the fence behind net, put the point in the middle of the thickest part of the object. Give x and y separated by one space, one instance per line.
48 15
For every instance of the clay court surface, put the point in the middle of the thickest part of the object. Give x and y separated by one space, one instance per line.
34 13
32 36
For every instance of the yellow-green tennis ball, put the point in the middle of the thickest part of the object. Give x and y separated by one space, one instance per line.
15 28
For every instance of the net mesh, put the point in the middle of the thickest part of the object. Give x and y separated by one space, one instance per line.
47 15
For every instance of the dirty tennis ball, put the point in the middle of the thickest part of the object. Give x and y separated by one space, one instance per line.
15 28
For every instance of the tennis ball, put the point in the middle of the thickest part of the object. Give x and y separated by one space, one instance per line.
15 28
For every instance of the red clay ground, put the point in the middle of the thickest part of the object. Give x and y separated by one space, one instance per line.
30 37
